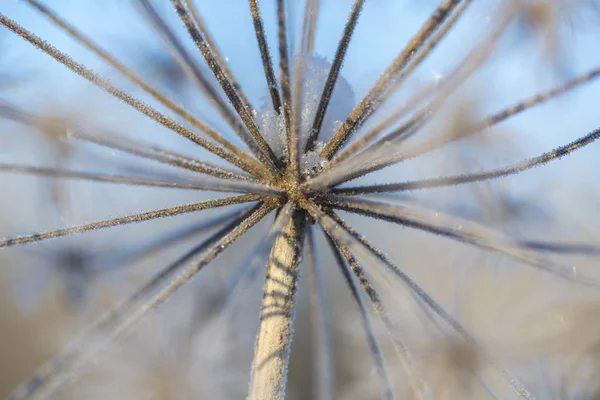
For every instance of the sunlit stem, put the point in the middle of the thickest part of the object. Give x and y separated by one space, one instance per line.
273 342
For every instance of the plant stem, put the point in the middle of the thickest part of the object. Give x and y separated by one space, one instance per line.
274 338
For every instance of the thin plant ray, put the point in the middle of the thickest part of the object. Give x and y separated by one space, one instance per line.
190 4
366 138
136 79
334 72
467 232
323 348
126 98
286 87
311 15
161 155
145 216
474 177
193 70
374 348
420 388
118 321
365 107
212 184
335 227
265 55
137 148
230 91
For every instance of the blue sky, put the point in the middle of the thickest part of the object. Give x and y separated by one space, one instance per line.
385 27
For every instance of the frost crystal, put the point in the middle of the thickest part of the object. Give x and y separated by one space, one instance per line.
271 123
311 162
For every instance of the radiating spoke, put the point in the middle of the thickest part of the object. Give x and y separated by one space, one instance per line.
126 98
298 106
460 230
470 64
155 153
207 184
218 56
111 325
311 14
230 91
367 105
324 373
476 177
356 243
284 63
136 79
265 54
116 259
291 133
385 159
415 100
137 148
534 101
420 388
560 248
334 72
165 212
378 361
197 75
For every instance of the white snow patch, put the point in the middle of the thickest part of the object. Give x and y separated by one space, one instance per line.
271 124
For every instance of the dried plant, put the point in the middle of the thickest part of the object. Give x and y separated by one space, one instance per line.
291 159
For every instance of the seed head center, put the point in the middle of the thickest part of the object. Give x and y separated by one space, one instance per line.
291 185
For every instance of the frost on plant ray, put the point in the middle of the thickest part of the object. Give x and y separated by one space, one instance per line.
272 123
309 136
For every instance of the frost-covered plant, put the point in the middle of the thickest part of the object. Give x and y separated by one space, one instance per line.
294 157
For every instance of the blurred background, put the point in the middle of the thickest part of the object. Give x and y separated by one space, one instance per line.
544 330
